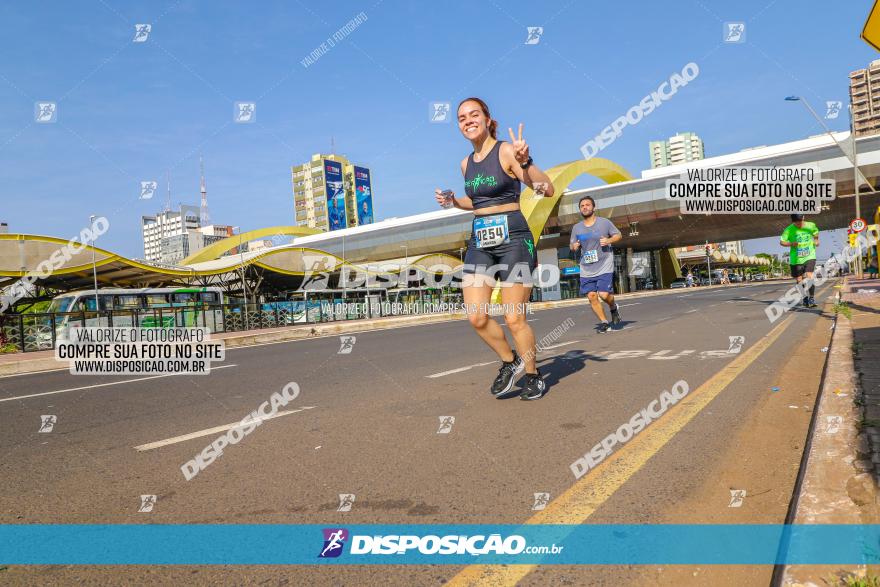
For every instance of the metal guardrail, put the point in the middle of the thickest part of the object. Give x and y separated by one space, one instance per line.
39 331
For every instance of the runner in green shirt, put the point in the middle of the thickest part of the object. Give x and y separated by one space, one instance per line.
802 238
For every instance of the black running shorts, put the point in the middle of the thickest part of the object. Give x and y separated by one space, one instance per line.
803 268
510 262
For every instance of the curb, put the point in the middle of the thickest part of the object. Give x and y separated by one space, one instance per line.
830 487
285 334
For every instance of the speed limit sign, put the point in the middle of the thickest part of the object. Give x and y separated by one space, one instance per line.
858 225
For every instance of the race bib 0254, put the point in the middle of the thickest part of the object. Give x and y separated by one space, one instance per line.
490 231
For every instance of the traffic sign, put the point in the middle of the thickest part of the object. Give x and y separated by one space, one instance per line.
858 225
871 30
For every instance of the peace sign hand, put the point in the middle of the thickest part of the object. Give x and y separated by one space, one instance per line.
520 148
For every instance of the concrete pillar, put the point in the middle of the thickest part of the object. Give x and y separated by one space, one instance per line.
669 268
632 280
549 291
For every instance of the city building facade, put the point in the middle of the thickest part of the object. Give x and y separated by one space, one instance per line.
864 98
681 148
330 193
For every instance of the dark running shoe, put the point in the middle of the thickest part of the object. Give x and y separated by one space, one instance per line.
812 302
806 303
506 374
615 315
603 328
535 388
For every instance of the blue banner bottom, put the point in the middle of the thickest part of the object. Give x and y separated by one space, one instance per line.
278 544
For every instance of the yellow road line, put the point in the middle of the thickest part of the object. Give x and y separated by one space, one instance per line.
583 498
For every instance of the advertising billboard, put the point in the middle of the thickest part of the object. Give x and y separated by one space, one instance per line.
335 194
363 195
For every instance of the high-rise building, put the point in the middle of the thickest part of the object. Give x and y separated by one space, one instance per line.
165 225
725 247
4 228
174 249
330 192
731 247
681 148
864 99
171 236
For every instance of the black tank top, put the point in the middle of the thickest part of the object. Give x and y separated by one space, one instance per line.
487 184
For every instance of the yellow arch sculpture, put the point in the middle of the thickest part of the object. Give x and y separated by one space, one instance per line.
213 251
538 209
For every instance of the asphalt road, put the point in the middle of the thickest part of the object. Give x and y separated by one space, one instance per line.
366 423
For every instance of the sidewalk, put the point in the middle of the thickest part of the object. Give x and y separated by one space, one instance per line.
863 298
33 362
842 468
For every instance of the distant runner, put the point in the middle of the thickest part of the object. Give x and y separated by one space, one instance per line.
802 238
592 240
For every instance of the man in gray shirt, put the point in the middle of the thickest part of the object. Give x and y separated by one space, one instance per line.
592 240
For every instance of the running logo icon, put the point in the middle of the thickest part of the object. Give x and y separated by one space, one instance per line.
141 32
832 109
734 32
440 111
346 345
245 112
45 112
638 267
346 500
541 501
832 424
446 423
147 503
148 189
736 344
533 36
736 498
317 275
334 541
47 423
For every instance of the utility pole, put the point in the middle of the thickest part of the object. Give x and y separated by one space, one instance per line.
708 262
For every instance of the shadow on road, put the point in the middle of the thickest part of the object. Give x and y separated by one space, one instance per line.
557 368
862 308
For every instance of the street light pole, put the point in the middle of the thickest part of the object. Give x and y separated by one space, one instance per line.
852 134
342 269
247 325
708 263
406 262
95 273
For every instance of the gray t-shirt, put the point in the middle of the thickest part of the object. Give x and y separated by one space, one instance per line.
594 259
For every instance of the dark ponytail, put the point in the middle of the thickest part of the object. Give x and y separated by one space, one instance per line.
493 124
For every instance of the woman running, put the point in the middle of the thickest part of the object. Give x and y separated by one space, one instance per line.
501 245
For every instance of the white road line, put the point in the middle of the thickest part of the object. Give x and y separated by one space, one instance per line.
691 311
215 430
9 399
625 305
35 372
556 346
459 370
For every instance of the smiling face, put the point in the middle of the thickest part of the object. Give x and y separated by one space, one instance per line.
472 121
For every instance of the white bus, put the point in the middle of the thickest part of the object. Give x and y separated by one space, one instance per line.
186 306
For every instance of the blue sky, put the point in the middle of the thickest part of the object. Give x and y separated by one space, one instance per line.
131 111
